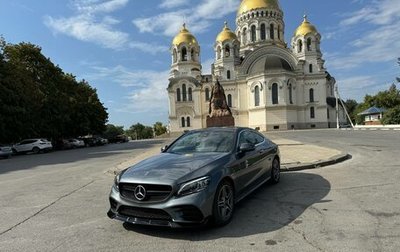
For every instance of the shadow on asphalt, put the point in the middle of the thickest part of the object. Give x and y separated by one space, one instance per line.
30 161
268 209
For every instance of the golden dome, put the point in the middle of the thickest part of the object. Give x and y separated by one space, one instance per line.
305 28
184 36
248 5
226 34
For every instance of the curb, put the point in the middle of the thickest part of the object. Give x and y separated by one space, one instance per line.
319 164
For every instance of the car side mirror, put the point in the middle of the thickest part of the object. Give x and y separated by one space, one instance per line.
246 147
163 149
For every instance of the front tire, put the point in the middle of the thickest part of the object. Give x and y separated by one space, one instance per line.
275 171
36 150
223 204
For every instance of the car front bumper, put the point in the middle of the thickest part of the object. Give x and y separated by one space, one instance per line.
191 210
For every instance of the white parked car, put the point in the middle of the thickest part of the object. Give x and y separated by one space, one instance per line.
33 145
75 143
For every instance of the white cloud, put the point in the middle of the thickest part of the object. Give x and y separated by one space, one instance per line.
147 87
169 4
354 87
86 28
148 48
99 6
198 18
375 44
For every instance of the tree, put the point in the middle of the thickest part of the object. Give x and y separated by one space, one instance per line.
139 131
392 116
159 128
37 99
113 131
351 106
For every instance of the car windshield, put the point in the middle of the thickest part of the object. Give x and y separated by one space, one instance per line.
204 141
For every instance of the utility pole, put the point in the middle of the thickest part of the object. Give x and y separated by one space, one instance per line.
337 107
344 108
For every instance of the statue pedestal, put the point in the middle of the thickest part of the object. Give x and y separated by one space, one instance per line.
221 121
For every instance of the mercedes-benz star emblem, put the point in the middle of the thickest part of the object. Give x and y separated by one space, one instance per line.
140 192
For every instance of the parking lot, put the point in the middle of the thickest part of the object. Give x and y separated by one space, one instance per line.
58 202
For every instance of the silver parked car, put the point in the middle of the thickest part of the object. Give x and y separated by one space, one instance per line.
5 151
75 143
199 177
32 145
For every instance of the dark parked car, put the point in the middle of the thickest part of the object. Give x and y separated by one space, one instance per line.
199 177
93 141
5 151
118 139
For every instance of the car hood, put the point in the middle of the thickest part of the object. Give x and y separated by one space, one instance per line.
168 168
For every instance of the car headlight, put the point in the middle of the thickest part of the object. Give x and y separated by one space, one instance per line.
194 186
116 181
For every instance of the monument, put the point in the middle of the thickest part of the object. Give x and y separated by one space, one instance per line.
220 114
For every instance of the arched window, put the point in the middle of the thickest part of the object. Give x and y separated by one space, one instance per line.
184 94
228 74
299 46
229 100
312 112
227 51
178 94
207 94
188 121
309 44
290 93
271 31
190 94
311 95
184 54
174 56
244 35
257 96
183 122
263 35
310 68
275 93
253 33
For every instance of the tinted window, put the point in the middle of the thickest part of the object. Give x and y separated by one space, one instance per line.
250 137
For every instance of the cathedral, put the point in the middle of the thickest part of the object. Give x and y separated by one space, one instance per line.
268 85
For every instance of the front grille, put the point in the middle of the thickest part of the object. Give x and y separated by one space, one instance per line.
189 213
145 213
154 193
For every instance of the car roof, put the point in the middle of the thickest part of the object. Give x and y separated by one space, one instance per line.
216 129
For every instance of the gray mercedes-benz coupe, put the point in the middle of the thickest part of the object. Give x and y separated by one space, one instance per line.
199 177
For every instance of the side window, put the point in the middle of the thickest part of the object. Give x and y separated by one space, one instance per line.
258 138
250 137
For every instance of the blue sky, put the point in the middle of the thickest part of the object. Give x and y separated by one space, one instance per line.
122 46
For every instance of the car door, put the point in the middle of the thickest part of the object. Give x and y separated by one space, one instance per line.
247 165
28 146
21 146
269 150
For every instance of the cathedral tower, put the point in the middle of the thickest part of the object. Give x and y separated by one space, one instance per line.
260 22
226 54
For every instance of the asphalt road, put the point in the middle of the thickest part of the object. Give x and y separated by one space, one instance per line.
58 202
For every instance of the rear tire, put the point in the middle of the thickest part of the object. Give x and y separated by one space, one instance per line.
275 172
223 204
